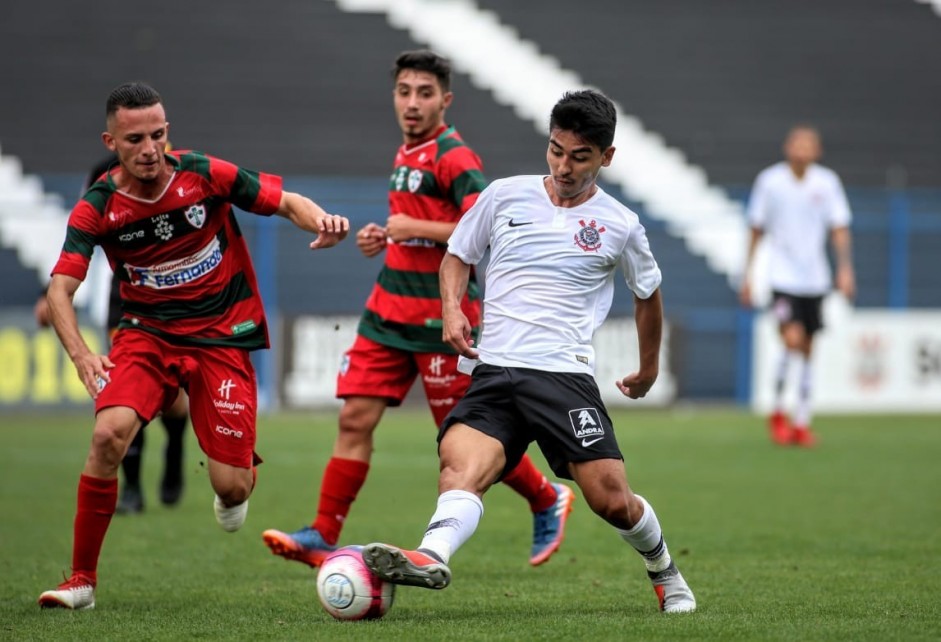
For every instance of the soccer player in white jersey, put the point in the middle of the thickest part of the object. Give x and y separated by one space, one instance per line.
556 243
797 204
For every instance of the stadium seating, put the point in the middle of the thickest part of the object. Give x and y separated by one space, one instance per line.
719 83
723 81
32 224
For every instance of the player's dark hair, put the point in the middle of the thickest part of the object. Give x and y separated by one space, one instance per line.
131 95
424 60
588 114
804 127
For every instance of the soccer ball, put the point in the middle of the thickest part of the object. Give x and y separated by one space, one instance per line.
348 591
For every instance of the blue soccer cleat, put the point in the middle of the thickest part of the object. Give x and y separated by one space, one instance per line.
306 545
549 526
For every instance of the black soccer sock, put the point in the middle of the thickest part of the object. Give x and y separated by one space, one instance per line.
173 454
132 460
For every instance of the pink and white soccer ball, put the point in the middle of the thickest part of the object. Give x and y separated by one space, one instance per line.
348 591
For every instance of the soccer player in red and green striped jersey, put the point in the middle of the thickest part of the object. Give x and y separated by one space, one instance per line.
191 312
435 179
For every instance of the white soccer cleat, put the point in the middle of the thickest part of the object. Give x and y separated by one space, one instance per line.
230 518
672 591
76 593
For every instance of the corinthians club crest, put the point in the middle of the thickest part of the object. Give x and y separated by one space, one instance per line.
196 215
589 237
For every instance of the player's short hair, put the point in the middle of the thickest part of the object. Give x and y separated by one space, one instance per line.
424 60
804 127
131 95
588 114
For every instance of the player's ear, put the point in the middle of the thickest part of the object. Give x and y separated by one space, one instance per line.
448 98
606 156
108 140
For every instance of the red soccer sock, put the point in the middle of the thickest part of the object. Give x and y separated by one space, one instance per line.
526 480
341 482
97 499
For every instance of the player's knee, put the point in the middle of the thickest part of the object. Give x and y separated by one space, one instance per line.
609 498
457 478
234 491
109 444
474 475
611 507
356 422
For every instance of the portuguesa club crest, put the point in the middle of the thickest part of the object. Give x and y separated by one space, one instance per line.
196 215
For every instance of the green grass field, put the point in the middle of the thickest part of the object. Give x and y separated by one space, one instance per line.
839 543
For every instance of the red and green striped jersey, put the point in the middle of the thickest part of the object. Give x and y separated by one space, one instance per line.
437 180
184 267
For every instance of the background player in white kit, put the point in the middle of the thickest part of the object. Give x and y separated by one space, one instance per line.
797 204
556 242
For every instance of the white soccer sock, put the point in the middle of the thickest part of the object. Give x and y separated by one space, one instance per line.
804 394
780 380
453 523
647 539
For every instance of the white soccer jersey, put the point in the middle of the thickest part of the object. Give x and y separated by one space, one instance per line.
796 216
550 280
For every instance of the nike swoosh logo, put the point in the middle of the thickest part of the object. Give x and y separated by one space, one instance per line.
515 224
586 443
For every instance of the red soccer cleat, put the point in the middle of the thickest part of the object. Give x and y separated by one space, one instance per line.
780 428
804 438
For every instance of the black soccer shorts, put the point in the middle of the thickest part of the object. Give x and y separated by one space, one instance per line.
561 411
806 310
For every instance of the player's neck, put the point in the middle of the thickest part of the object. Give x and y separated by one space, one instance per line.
799 170
574 201
144 190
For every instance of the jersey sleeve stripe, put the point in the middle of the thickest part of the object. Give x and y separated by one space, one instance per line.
245 189
447 143
78 241
98 195
256 192
468 183
196 163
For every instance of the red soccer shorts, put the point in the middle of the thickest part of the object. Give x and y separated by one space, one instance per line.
370 369
148 373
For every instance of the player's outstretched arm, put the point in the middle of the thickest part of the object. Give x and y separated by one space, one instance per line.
402 227
90 366
307 215
648 315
